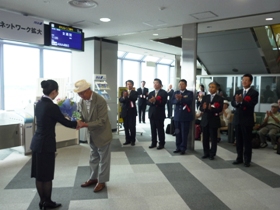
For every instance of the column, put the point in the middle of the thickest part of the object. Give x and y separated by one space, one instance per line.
188 68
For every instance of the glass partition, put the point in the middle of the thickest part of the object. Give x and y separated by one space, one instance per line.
131 72
21 71
225 86
148 75
268 91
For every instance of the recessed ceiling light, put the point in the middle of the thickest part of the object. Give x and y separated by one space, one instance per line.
268 19
83 3
105 19
155 34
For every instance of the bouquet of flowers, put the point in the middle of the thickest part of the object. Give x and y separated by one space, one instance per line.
69 109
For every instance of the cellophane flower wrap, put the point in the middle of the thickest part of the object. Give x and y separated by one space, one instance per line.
69 109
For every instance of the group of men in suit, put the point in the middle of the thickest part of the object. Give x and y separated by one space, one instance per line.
156 99
243 101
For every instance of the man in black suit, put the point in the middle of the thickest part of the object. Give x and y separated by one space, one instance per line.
211 106
170 93
129 112
244 102
157 100
142 101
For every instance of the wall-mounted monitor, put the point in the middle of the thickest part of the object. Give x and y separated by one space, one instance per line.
63 36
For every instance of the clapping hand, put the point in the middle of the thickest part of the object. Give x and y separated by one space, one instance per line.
268 113
178 97
238 98
152 100
125 94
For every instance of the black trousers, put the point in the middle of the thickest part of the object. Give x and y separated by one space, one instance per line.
157 128
243 136
182 131
129 124
142 112
209 133
169 109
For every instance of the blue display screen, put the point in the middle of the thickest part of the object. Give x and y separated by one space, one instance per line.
66 37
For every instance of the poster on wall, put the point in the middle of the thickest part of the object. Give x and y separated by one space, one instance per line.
21 28
121 89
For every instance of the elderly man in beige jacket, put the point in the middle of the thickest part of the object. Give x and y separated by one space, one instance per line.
94 113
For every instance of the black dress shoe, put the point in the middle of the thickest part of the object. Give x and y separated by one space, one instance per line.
205 156
237 162
247 164
160 147
51 205
132 143
176 151
41 205
211 158
182 152
152 146
126 143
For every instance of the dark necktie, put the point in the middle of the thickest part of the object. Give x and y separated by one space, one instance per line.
212 96
244 93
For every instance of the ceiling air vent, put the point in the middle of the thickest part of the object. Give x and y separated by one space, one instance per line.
83 3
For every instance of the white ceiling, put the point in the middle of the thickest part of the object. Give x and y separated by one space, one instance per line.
133 22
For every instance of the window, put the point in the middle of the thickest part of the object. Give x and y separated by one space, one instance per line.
134 56
151 58
131 72
163 75
270 89
148 74
21 71
57 64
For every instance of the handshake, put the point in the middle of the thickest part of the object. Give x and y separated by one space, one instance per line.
81 124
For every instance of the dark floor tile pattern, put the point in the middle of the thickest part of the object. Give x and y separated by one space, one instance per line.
22 180
85 193
135 154
195 194
260 173
60 195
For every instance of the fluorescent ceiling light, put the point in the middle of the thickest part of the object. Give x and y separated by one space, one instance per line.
268 19
155 34
105 19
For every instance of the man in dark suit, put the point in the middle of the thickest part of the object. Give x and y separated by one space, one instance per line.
157 100
211 106
183 116
244 102
170 93
129 112
142 101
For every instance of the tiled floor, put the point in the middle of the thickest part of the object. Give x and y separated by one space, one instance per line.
143 178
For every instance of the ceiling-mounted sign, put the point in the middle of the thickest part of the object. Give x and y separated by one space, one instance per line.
21 28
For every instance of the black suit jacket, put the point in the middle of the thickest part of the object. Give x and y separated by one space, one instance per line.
157 109
170 94
142 97
128 104
244 112
211 116
47 115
